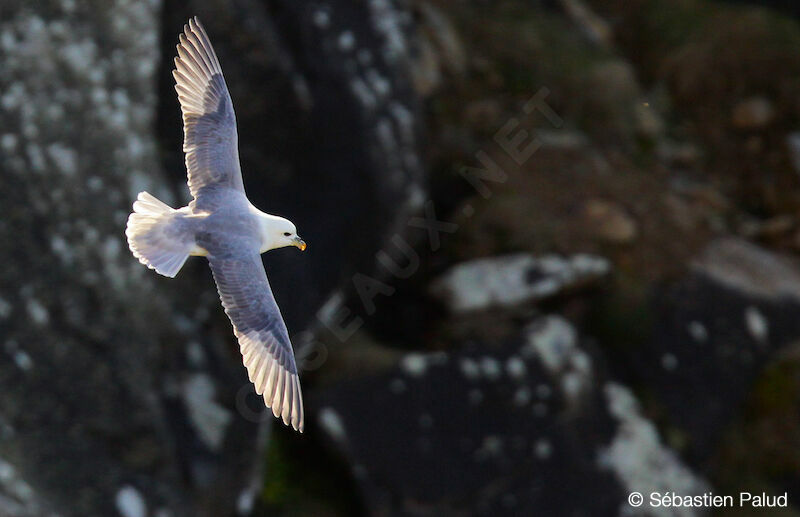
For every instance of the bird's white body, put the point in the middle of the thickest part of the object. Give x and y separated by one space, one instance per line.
155 225
272 230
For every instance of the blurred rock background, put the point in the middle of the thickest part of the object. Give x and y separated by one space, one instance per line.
553 258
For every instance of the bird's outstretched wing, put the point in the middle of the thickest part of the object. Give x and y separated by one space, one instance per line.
210 140
263 340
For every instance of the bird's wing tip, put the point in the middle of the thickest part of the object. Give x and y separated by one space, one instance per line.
195 26
288 405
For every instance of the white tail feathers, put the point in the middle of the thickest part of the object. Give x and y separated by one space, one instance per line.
154 238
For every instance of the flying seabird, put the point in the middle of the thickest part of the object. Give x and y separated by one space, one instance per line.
221 224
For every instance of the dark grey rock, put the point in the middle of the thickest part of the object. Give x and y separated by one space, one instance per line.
715 331
534 425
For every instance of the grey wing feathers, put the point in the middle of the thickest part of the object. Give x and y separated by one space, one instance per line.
263 340
209 123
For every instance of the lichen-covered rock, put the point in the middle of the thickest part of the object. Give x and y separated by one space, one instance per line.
95 344
536 424
512 280
715 331
641 462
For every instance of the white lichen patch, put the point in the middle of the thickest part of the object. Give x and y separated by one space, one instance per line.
669 362
130 502
332 423
246 500
573 384
79 56
23 360
389 23
209 418
491 447
37 312
5 308
321 19
469 368
195 354
111 249
404 119
757 324
515 368
387 141
346 41
490 367
61 249
513 280
697 331
36 158
12 484
640 461
363 93
8 142
554 342
415 364
379 84
95 183
542 449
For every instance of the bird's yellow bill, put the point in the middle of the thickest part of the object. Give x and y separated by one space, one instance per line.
300 243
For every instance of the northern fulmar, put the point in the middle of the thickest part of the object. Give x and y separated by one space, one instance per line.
221 224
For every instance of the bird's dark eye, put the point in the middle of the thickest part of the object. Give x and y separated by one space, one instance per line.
286 234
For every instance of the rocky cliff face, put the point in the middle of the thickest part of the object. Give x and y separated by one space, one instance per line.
122 392
88 337
532 423
595 296
647 238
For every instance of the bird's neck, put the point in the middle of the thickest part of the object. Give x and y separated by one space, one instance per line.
267 230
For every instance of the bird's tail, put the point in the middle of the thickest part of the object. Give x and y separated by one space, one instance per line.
154 236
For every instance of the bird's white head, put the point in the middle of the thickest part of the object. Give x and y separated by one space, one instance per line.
277 232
